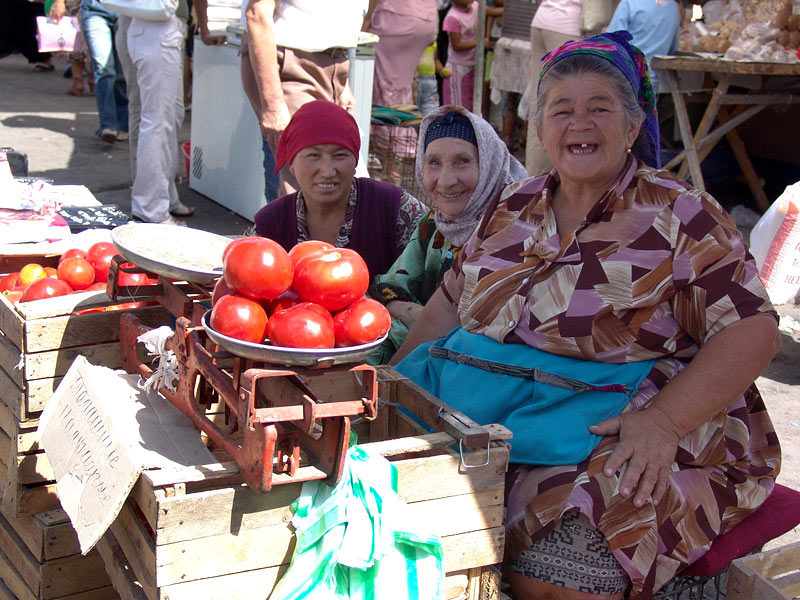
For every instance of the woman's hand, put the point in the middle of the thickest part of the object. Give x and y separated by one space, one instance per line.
648 441
58 10
407 312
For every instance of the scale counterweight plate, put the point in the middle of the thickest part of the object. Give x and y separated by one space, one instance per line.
177 252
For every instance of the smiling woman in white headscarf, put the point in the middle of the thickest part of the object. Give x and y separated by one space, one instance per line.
462 164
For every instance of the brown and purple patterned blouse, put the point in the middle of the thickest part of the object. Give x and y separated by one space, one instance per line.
654 271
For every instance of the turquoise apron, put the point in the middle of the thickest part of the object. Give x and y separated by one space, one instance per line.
546 400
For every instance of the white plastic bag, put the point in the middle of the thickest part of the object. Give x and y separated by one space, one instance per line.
775 244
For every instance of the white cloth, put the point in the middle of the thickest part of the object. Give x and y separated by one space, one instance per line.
316 25
561 16
156 49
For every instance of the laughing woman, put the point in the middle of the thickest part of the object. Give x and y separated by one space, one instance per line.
599 312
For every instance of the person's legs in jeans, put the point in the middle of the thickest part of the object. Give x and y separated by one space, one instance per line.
270 179
155 47
98 29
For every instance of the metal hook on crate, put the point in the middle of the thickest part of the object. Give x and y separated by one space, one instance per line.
461 453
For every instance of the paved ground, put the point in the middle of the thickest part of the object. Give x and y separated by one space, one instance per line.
56 131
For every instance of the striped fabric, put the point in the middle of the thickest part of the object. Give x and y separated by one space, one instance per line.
656 269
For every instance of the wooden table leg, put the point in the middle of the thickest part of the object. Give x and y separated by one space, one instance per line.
708 117
737 146
686 130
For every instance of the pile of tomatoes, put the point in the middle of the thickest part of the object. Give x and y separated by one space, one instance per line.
77 271
310 297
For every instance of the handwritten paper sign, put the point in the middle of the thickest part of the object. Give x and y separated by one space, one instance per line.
100 431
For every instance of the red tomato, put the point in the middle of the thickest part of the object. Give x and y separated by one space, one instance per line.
364 321
303 249
46 287
51 272
100 255
240 318
97 286
305 325
220 289
77 272
131 278
333 278
286 300
72 253
9 281
259 269
235 243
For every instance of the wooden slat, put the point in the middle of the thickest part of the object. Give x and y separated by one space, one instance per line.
118 569
692 63
36 499
10 359
137 545
753 577
103 593
13 580
81 330
12 323
191 560
34 468
62 305
236 586
38 395
72 574
59 536
10 394
56 362
23 561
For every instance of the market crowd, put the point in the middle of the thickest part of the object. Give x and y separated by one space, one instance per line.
591 302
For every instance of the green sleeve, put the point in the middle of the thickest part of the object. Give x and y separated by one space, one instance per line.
404 279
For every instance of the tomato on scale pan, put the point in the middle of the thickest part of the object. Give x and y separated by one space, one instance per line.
257 268
240 318
305 325
334 278
364 321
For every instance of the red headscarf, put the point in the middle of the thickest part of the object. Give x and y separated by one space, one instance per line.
315 123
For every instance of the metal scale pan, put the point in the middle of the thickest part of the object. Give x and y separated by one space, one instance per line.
176 252
296 357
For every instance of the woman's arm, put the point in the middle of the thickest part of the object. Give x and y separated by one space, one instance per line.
437 318
724 367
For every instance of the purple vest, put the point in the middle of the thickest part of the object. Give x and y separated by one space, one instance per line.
374 234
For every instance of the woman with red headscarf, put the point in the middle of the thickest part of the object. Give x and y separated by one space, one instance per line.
375 219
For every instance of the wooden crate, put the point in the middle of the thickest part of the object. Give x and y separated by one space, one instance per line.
197 532
770 575
40 559
38 342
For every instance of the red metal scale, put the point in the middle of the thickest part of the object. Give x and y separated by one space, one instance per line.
276 428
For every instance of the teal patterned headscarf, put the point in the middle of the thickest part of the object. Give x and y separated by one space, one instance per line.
616 48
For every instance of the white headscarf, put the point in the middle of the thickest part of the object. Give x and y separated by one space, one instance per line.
496 168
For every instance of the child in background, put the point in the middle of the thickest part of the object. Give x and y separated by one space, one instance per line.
428 68
461 25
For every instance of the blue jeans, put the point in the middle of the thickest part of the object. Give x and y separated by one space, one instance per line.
270 179
109 82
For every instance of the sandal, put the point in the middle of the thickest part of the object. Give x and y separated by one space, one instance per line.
43 67
75 91
182 210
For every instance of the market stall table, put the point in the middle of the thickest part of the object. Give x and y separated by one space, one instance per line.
699 143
